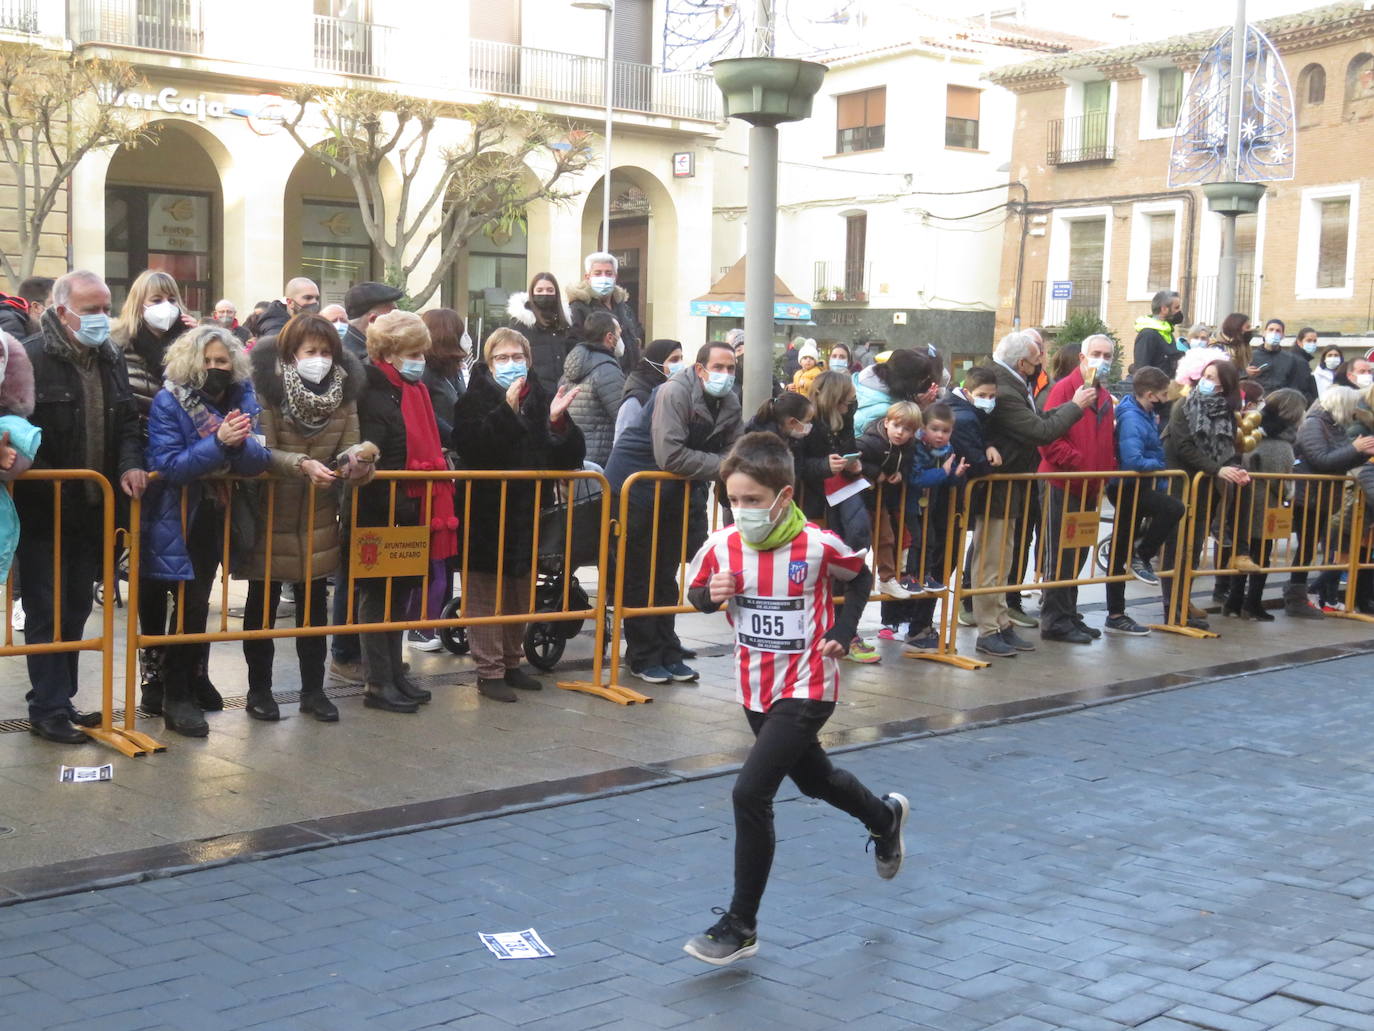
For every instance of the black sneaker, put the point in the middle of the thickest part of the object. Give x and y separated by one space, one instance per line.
726 941
1091 631
889 849
1124 624
1143 571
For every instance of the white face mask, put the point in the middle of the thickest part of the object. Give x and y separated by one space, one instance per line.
619 346
984 404
1198 342
161 315
755 524
314 369
1364 380
1333 362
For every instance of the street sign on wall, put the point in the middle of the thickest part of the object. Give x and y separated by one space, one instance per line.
1061 290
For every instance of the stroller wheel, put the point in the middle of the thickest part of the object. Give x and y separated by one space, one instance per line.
544 645
455 638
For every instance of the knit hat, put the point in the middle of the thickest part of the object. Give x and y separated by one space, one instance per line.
808 350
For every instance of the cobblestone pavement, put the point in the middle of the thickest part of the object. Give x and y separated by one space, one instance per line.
1192 859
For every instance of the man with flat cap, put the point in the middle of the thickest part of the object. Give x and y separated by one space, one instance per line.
364 304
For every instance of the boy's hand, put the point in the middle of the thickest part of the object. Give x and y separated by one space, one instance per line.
723 587
994 456
834 650
961 468
948 467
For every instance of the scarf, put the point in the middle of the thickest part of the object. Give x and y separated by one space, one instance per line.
205 419
792 522
1212 425
306 408
425 453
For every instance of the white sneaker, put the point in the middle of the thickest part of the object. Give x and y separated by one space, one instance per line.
892 589
17 616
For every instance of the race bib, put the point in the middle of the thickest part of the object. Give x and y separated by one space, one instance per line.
771 624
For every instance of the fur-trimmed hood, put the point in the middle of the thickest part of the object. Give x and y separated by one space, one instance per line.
582 291
517 307
267 381
16 391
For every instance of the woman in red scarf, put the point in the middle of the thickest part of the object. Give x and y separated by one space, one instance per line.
395 413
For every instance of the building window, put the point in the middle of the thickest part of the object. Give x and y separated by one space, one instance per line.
1311 93
165 230
1159 275
1333 242
855 248
1359 87
1170 98
860 120
1087 246
961 117
336 251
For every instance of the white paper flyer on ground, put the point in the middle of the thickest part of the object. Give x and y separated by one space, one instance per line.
85 774
524 944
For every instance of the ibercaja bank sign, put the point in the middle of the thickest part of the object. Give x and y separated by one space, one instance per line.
264 113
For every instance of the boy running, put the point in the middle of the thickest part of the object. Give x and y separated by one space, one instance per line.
772 571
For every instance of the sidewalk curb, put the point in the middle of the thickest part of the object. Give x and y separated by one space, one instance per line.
132 867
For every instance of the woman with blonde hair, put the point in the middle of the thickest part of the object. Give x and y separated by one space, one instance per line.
395 413
202 422
505 420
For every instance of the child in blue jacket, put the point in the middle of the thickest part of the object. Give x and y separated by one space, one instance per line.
1139 449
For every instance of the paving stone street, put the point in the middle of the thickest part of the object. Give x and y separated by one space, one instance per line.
1196 858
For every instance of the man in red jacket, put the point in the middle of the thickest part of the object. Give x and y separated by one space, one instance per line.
1088 446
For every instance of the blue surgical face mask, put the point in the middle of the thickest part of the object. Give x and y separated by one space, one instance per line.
1310 346
839 365
718 384
95 329
1206 387
508 374
671 369
412 369
984 404
342 327
601 285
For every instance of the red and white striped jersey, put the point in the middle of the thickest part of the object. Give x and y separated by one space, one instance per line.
781 612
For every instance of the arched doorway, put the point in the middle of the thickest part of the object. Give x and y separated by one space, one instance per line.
164 209
643 238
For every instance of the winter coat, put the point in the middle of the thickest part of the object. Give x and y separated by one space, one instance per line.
1286 367
814 467
873 396
1325 379
638 386
444 392
1271 455
1089 445
549 344
1155 344
803 378
181 457
582 302
1324 448
57 412
1181 450
879 459
597 404
16 386
1138 447
487 434
1017 429
380 421
14 317
967 439
273 317
683 431
293 537
146 358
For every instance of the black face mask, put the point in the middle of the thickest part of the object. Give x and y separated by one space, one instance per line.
545 302
217 381
311 309
1176 318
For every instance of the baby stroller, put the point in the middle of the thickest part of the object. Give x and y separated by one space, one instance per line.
545 642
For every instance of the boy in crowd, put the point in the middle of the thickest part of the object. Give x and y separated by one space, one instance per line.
935 469
773 570
1139 449
885 456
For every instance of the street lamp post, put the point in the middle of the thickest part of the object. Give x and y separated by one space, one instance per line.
608 7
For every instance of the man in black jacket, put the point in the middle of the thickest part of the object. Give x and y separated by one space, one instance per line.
598 292
1283 365
89 420
1156 334
301 294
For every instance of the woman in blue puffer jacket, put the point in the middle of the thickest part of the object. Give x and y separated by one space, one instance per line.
202 422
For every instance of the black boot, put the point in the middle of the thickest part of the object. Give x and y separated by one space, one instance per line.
1233 601
406 687
314 702
261 705
1254 599
150 682
180 714
387 698
203 691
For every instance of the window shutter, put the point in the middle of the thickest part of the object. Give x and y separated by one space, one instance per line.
849 111
1335 236
962 102
634 20
877 106
1161 252
495 22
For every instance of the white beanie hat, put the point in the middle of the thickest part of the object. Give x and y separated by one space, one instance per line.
808 350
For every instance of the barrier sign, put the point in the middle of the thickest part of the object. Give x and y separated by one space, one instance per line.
1080 529
390 551
1278 523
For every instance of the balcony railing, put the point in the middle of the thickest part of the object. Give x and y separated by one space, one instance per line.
551 75
1201 300
841 282
351 47
1086 296
19 15
1086 138
153 24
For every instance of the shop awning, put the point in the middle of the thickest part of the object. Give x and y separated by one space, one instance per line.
726 299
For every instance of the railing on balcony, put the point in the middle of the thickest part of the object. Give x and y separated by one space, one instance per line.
551 75
1085 138
351 47
841 282
1085 295
19 15
1201 300
174 25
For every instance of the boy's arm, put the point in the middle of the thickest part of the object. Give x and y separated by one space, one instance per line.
856 592
699 574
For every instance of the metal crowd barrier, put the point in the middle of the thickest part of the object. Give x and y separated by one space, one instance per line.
126 739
